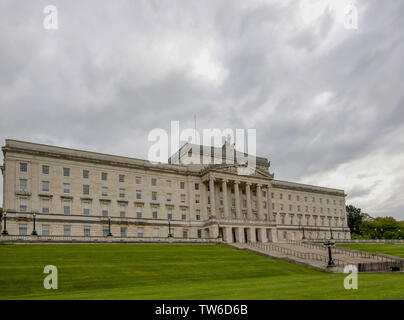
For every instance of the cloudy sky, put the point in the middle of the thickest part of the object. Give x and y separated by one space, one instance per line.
327 102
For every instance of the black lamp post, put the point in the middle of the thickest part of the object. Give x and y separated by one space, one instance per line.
331 237
169 228
34 233
4 232
329 244
109 227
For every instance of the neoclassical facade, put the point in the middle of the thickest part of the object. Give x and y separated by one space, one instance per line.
202 193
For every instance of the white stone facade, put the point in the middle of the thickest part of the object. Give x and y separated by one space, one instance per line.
75 193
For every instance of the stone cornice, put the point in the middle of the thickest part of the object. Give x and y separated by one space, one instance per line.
307 188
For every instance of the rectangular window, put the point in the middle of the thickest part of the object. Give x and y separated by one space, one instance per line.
104 176
183 214
122 211
183 198
45 186
168 183
281 196
66 172
182 185
197 198
67 231
87 231
23 167
285 235
23 184
264 205
104 191
22 229
154 195
196 186
124 232
139 212
86 189
289 197
121 193
156 232
121 178
86 174
46 230
297 198
155 215
233 202
45 169
138 180
169 214
198 214
221 201
86 208
168 197
23 205
140 232
199 233
185 233
105 231
66 187
154 182
281 207
66 206
45 205
138 194
104 209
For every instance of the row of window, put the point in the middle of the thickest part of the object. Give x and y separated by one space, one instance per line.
306 199
307 220
315 235
299 209
67 231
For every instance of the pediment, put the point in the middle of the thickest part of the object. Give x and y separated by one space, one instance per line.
244 170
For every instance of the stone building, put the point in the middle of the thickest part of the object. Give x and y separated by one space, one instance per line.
200 194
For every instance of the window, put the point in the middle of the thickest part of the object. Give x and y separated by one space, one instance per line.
197 198
104 176
314 209
328 201
182 185
121 178
168 197
138 180
321 200
185 233
45 186
46 230
23 205
45 205
281 207
87 231
66 206
221 201
86 189
122 211
138 194
66 172
121 193
313 199
154 195
105 231
22 229
66 187
86 174
104 191
169 214
290 207
199 233
305 199
281 196
168 183
86 208
272 195
183 198
45 169
139 212
23 184
156 232
196 186
273 206
233 202
154 182
198 214
104 209
208 199
264 194
285 235
124 232
298 208
244 203
289 197
23 167
140 232
154 213
283 219
297 198
183 214
307 208
67 231
291 219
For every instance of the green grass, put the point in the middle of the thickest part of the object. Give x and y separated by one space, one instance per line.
390 249
174 272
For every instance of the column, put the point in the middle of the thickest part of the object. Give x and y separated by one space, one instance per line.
212 196
237 193
225 200
248 193
259 195
228 235
269 201
241 235
253 237
204 201
263 235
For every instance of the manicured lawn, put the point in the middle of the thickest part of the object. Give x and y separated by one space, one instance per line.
174 272
391 249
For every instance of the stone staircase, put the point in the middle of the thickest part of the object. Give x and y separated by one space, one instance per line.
315 255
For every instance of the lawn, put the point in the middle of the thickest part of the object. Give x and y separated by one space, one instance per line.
174 272
390 249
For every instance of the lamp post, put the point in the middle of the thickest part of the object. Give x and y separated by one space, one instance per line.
109 227
34 233
4 232
329 244
331 237
169 228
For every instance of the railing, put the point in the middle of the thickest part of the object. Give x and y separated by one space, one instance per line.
84 239
381 266
301 255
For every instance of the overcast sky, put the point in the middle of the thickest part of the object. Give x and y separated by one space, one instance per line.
327 102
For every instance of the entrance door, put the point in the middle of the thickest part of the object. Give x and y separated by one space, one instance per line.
234 235
245 236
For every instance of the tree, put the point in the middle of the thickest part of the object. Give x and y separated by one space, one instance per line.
355 219
1 213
